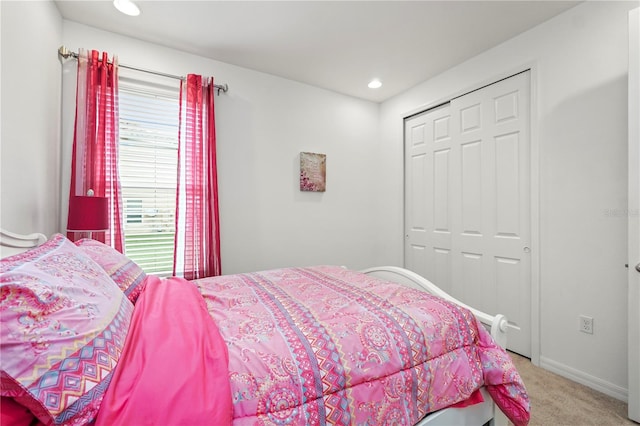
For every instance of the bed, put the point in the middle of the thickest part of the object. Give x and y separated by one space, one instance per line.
88 338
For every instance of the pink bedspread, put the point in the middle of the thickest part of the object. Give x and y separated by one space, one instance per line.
327 345
173 368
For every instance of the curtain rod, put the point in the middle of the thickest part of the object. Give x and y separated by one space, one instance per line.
66 53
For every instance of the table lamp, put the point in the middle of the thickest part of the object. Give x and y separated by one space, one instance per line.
88 214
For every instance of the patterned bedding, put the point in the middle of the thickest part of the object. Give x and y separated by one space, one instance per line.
328 345
87 338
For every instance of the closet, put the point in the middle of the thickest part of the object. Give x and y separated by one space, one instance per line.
468 200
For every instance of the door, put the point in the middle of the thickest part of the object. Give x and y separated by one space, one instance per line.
428 149
634 216
467 201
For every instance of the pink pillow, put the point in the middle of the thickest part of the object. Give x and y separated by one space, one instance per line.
63 327
124 271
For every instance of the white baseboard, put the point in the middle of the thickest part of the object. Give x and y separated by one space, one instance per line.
583 378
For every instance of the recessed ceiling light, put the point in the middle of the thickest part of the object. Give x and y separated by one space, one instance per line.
375 84
127 7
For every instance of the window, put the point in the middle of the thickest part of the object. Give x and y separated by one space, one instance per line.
148 172
134 211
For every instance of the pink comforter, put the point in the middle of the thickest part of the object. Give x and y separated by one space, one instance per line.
327 345
301 346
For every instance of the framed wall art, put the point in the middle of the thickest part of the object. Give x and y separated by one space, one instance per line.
313 172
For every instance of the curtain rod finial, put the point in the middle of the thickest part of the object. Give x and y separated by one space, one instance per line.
64 52
223 87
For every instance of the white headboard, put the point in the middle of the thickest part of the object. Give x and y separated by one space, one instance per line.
12 243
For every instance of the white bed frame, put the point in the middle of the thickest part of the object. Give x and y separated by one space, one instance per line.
12 243
474 415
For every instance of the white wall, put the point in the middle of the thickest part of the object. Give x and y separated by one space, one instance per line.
579 64
30 116
262 125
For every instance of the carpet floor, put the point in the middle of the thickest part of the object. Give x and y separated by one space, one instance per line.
558 401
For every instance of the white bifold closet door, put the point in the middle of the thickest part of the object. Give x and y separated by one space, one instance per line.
468 204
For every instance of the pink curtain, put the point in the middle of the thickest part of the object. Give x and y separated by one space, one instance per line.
197 241
94 163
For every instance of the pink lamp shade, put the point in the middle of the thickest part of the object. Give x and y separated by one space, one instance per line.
88 214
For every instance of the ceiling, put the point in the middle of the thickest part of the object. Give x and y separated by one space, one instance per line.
336 45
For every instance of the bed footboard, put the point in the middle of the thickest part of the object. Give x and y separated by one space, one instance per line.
481 414
497 324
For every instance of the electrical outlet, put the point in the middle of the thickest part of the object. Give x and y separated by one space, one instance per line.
586 324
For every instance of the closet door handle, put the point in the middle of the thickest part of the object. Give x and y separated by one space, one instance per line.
638 267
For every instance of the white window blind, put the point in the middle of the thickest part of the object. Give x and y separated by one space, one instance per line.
148 171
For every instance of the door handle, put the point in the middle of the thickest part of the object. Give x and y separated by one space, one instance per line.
638 267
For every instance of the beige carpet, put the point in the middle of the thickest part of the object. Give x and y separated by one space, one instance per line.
559 401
